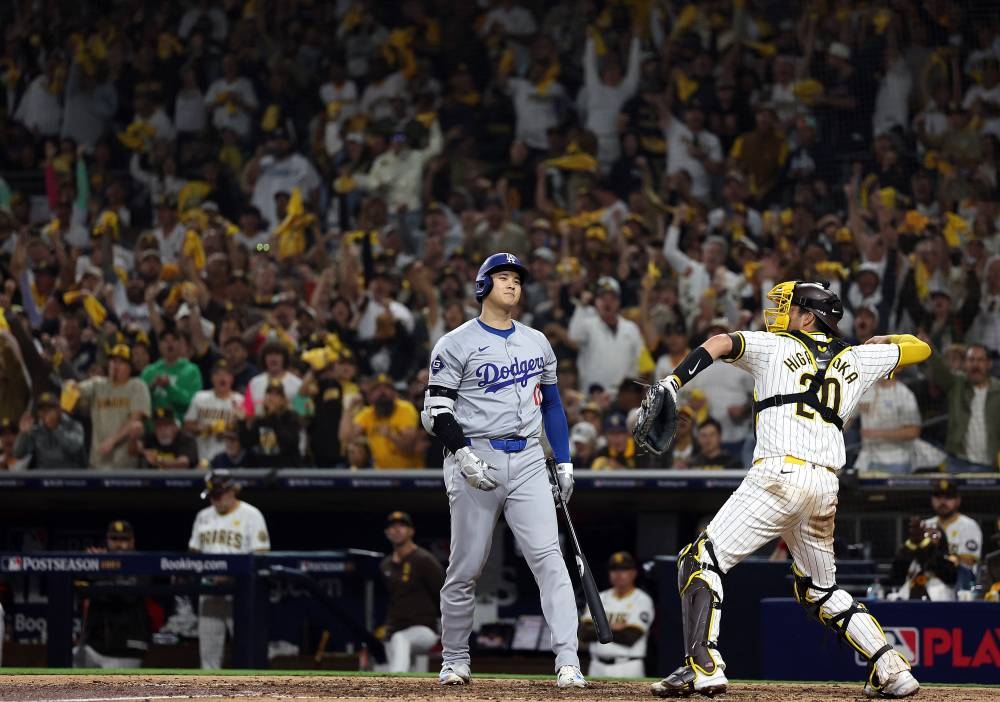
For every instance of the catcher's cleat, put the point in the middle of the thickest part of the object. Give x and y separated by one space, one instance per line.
455 674
686 681
902 684
570 676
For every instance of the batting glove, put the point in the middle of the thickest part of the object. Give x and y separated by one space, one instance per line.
475 470
564 474
671 384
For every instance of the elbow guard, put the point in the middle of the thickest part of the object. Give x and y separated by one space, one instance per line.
437 402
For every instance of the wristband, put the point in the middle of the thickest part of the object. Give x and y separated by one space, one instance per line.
693 364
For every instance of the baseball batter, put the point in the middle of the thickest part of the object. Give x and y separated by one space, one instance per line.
630 612
492 387
807 382
228 525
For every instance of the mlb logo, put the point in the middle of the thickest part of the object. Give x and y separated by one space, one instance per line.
906 641
13 564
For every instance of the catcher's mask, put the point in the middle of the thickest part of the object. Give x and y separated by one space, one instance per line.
815 297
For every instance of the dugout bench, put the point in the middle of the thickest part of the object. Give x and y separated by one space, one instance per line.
245 576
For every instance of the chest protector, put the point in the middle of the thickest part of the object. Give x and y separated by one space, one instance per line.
822 352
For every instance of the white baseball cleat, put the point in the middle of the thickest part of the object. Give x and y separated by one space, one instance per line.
687 680
902 684
455 674
570 676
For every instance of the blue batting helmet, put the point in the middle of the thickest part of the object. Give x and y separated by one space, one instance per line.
494 264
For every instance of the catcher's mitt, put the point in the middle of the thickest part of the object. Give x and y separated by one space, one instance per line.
656 421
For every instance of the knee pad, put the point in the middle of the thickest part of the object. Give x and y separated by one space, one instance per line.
697 561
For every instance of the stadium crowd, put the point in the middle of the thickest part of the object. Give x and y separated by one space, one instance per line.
231 231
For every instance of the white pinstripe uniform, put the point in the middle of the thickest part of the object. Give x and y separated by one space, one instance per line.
791 489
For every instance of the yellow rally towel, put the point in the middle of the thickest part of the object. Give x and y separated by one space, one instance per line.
290 234
107 225
3 321
272 115
91 305
194 249
579 161
69 396
319 358
685 86
192 194
956 230
831 269
914 222
551 73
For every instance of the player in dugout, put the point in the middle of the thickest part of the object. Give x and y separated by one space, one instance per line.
630 612
413 578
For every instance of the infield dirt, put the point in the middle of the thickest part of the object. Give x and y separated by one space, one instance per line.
192 688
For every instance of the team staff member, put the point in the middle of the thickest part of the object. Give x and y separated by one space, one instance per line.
630 612
807 381
55 442
963 539
413 579
116 626
492 386
228 525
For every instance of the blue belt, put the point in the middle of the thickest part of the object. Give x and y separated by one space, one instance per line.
515 444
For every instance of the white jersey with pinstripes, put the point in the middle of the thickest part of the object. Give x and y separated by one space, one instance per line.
781 364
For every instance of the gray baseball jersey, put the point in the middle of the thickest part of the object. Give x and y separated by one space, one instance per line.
497 378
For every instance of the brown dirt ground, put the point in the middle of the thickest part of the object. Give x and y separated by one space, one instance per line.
194 688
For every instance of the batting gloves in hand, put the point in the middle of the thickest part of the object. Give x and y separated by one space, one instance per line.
564 474
671 384
475 470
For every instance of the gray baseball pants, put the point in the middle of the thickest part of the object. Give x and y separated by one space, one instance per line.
525 496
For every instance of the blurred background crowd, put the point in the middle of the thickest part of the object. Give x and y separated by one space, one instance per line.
231 230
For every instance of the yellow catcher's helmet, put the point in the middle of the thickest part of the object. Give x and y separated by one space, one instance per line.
815 297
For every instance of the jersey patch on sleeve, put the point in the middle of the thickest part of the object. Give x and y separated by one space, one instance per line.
644 617
437 364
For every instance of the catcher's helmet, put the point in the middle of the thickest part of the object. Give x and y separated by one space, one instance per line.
494 264
815 297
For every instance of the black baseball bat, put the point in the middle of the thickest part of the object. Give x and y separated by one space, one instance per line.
590 591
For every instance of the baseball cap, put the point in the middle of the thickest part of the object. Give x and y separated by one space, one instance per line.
46 399
583 432
541 223
217 482
590 407
607 284
120 351
945 488
398 517
615 422
384 379
275 386
839 50
621 560
163 414
544 253
222 365
120 529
